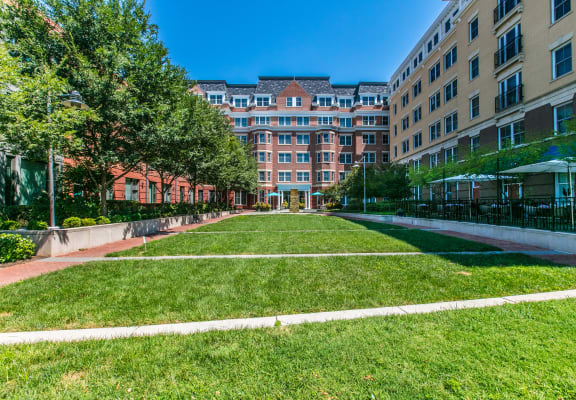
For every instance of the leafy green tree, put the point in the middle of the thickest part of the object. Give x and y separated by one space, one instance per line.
110 52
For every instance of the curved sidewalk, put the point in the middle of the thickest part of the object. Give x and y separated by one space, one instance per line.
78 335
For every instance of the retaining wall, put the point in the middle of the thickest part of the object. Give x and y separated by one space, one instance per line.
558 241
62 241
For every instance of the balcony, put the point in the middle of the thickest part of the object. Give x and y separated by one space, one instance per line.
507 53
509 99
504 8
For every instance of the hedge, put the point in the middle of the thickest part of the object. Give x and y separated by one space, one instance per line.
15 248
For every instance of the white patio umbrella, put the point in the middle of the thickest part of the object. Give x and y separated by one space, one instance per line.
470 178
553 166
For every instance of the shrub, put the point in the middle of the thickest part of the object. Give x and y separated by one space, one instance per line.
72 222
37 226
117 219
15 247
10 225
334 205
88 222
102 221
261 206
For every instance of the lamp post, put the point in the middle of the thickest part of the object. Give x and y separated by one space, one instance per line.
73 100
357 166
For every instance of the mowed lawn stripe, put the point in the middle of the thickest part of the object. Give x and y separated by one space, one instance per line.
291 223
152 292
305 243
511 352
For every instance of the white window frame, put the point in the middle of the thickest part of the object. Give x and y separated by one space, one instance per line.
258 119
345 122
553 14
293 101
300 141
264 101
368 120
242 99
556 49
303 178
284 121
348 158
283 156
302 153
325 101
472 116
369 138
346 100
369 157
345 140
452 117
286 139
240 122
512 134
325 120
470 38
286 174
556 122
302 121
368 100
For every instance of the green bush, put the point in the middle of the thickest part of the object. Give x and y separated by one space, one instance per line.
37 226
10 225
72 222
102 221
15 248
88 222
117 219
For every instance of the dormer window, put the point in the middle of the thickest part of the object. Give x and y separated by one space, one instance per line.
216 99
345 102
240 102
324 101
262 101
294 102
368 100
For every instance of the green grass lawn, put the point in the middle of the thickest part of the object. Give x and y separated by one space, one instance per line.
525 352
146 292
271 223
274 234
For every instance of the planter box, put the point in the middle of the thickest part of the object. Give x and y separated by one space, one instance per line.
63 241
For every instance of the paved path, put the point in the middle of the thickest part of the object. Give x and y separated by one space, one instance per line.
269 322
18 272
80 259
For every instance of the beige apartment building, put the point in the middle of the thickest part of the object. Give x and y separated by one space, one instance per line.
487 74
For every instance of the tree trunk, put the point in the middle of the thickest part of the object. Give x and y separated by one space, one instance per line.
103 197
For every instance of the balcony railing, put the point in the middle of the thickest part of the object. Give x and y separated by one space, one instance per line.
504 7
508 52
510 98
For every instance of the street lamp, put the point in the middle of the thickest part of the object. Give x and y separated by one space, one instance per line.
73 100
357 165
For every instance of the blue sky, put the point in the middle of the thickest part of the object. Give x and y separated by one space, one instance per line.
351 41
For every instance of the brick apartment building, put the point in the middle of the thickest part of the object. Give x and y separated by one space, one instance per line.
487 74
307 133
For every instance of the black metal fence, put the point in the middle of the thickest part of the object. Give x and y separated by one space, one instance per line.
552 214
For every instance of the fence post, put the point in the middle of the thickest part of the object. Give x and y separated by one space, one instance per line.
553 208
524 213
477 211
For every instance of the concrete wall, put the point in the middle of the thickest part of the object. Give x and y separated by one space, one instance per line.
62 241
558 241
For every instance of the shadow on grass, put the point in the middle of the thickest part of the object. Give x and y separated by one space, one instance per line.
425 241
501 261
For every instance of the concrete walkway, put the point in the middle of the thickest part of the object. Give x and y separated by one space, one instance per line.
37 267
305 255
269 322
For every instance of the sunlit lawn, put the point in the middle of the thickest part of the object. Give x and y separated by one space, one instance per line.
523 352
286 234
120 293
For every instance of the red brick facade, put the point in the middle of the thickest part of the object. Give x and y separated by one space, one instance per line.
294 122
